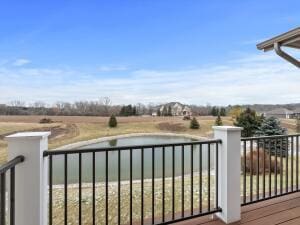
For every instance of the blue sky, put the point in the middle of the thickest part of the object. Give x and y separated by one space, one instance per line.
145 51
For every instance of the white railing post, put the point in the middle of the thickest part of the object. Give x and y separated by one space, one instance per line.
31 177
229 172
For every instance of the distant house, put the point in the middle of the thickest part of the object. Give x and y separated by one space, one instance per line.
154 114
177 109
283 113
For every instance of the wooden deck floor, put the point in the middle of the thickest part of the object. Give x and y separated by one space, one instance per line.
283 210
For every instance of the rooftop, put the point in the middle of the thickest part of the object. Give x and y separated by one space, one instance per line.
288 39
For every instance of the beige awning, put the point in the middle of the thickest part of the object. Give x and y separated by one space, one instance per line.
289 39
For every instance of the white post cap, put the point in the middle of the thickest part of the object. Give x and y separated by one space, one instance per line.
30 135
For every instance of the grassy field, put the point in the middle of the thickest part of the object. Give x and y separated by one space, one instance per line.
87 199
66 130
71 129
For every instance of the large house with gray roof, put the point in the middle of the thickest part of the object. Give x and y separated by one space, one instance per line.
283 113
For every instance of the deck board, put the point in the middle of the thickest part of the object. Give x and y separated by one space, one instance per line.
282 210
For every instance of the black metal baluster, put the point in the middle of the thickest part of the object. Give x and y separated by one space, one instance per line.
142 186
270 168
94 188
276 167
66 189
80 188
264 171
245 174
182 181
258 171
106 187
208 179
130 214
50 189
200 178
3 199
287 166
163 184
173 182
251 170
153 183
12 196
119 187
217 175
297 163
192 180
292 163
281 167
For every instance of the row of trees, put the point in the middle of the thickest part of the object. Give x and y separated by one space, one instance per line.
101 107
218 111
128 110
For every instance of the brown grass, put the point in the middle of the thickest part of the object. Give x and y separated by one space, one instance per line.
71 129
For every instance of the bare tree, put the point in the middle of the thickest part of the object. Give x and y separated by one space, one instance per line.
39 104
17 103
106 103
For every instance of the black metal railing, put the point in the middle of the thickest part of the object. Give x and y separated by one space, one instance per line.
4 169
270 167
148 184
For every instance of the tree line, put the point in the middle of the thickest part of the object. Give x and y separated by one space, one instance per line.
101 107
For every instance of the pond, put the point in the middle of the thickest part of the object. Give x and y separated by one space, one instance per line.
58 160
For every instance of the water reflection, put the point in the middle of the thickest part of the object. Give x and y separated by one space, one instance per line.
58 161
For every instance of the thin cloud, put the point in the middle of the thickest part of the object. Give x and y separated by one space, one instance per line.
260 78
21 62
112 68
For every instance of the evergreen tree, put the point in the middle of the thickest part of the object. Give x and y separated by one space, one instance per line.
270 127
134 111
249 121
122 111
219 121
112 121
222 111
169 111
194 124
214 111
128 110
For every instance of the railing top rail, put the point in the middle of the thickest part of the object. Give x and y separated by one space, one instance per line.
269 137
104 149
5 167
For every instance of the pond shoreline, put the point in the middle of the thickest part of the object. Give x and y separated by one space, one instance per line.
97 140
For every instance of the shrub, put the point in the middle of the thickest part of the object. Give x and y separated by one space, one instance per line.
261 162
218 121
194 124
46 120
112 121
